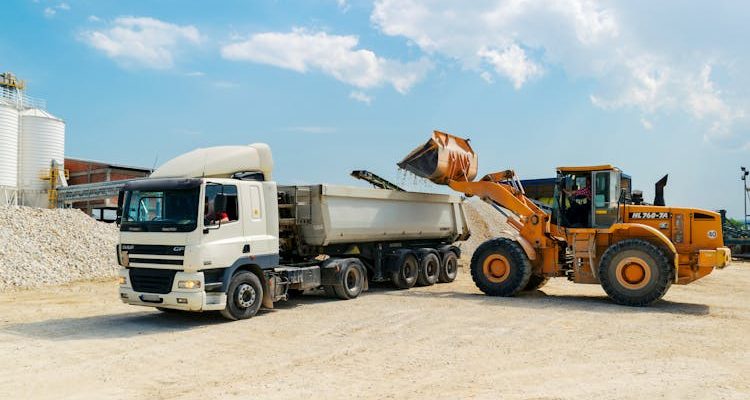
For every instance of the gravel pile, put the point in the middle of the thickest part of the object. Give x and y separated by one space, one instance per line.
485 223
41 247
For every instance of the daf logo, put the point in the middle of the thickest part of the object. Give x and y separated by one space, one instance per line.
178 249
127 247
712 234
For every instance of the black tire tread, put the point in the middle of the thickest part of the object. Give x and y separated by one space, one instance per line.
535 282
666 271
515 255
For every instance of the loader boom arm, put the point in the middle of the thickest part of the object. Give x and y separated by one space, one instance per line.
502 189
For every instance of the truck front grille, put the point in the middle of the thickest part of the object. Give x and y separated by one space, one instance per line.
149 280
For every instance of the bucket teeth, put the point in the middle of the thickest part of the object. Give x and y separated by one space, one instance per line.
442 159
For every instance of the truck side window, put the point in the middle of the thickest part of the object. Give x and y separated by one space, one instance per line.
229 195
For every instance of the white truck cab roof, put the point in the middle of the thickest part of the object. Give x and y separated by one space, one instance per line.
219 162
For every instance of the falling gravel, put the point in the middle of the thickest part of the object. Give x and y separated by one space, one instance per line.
485 223
40 247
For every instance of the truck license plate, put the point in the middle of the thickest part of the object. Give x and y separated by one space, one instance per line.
151 298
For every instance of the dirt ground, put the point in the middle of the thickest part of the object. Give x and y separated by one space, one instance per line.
447 341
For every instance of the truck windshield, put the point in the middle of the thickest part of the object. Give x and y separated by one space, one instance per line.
160 211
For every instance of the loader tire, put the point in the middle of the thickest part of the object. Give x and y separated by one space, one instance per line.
406 274
499 267
429 268
244 296
635 273
535 282
448 268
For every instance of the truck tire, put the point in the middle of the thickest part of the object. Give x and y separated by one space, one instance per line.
429 268
352 281
448 268
499 267
244 296
406 275
635 272
535 282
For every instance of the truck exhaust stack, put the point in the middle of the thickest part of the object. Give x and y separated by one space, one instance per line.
442 159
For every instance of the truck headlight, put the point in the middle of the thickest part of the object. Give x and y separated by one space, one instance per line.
190 284
122 280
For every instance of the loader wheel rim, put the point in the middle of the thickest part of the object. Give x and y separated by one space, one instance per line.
496 268
633 273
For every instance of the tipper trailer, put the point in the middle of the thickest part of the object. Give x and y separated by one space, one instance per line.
210 230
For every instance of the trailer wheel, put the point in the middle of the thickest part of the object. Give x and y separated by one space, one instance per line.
535 282
429 268
352 279
449 268
244 296
406 275
499 267
635 272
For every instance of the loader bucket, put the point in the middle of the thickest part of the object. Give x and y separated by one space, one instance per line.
442 159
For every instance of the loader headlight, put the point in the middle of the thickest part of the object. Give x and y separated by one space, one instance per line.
190 284
122 280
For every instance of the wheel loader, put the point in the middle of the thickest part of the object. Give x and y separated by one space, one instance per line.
595 231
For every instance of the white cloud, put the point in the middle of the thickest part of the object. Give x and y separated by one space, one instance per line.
142 41
94 18
511 62
361 97
335 55
195 73
63 6
647 125
635 55
343 5
49 12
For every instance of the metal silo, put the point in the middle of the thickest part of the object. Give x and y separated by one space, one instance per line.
8 151
42 141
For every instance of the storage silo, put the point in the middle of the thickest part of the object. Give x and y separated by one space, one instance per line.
8 151
42 141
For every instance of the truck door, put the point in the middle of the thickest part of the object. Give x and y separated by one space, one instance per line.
224 231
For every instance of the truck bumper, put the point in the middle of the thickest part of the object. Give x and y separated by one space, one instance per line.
718 258
187 300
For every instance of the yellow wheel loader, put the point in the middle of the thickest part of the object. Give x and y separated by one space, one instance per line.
595 231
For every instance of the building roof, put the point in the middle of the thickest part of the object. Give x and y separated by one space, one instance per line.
111 165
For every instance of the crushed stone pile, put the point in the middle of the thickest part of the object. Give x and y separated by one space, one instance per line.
485 223
41 247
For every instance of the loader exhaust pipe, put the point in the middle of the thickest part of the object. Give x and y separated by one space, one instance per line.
659 190
442 159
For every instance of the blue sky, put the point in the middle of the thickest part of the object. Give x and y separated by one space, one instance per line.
653 87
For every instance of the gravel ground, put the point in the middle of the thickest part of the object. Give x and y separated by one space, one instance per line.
41 247
447 341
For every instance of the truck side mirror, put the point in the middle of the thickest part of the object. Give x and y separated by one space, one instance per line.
118 217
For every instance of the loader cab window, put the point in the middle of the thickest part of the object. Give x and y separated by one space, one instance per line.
220 205
606 198
574 197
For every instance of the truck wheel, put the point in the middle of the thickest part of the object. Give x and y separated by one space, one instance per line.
499 267
635 272
449 268
406 276
352 281
244 296
429 268
535 282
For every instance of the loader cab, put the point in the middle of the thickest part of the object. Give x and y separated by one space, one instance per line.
589 197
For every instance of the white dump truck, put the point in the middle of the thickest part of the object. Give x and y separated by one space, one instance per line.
211 230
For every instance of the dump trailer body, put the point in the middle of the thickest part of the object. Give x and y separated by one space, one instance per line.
330 215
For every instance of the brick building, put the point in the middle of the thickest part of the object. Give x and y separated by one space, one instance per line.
87 171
